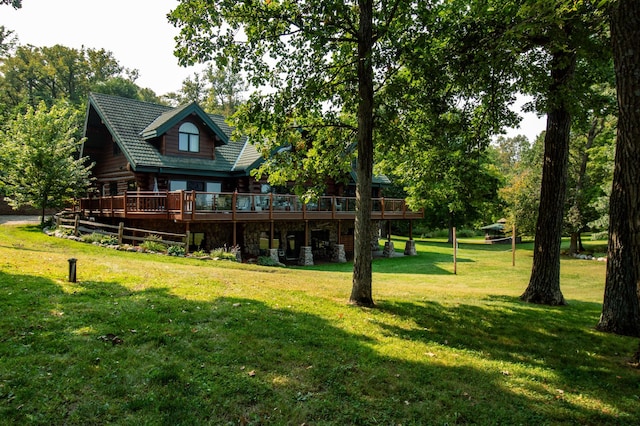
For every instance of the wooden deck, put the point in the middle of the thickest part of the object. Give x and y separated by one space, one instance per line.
191 206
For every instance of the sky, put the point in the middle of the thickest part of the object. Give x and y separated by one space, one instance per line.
136 32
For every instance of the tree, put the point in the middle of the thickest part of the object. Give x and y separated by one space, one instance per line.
563 36
8 40
587 175
32 74
522 167
323 61
620 310
225 92
17 4
38 158
125 88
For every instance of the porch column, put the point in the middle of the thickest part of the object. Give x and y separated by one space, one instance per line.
410 247
235 234
271 234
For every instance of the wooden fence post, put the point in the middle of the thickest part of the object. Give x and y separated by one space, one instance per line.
513 245
120 232
455 252
75 225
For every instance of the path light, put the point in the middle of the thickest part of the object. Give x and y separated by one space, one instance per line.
72 270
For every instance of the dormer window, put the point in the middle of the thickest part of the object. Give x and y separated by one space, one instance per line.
189 138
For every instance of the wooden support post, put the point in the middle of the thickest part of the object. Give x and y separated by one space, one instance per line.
271 206
188 238
125 204
339 232
193 205
75 224
271 234
235 233
120 233
234 200
455 252
181 204
410 229
333 207
513 245
306 233
389 230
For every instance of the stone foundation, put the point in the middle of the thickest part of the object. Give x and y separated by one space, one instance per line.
306 256
338 254
410 248
273 254
389 250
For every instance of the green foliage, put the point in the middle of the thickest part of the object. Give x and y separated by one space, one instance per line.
94 237
199 253
38 158
175 250
218 90
30 75
154 243
521 191
225 253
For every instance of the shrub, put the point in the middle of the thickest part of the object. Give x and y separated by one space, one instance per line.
175 251
94 237
199 253
109 240
154 243
225 253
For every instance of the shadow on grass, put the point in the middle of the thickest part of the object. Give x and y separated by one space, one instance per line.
235 360
560 339
425 263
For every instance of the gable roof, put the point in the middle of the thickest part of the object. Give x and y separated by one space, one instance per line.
170 118
134 123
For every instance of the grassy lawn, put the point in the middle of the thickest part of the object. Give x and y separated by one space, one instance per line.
222 343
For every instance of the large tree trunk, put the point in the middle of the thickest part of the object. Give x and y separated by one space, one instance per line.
620 306
573 244
361 291
544 284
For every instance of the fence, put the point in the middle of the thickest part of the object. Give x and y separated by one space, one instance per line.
121 232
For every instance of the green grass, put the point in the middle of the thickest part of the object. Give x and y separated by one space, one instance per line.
227 343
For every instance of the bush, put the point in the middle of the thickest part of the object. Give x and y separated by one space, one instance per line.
176 251
92 238
226 253
109 240
154 243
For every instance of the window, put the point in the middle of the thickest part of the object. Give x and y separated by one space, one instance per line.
189 138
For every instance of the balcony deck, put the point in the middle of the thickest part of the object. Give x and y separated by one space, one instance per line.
191 206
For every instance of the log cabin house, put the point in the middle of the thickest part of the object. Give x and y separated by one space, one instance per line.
175 169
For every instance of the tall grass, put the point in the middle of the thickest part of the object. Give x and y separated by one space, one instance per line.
149 339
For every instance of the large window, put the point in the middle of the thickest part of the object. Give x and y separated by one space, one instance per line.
189 138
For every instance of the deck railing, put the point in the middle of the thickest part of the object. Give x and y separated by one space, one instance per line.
225 206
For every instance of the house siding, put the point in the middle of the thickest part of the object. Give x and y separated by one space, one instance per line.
207 142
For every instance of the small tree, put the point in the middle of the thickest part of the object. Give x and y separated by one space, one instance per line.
38 158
